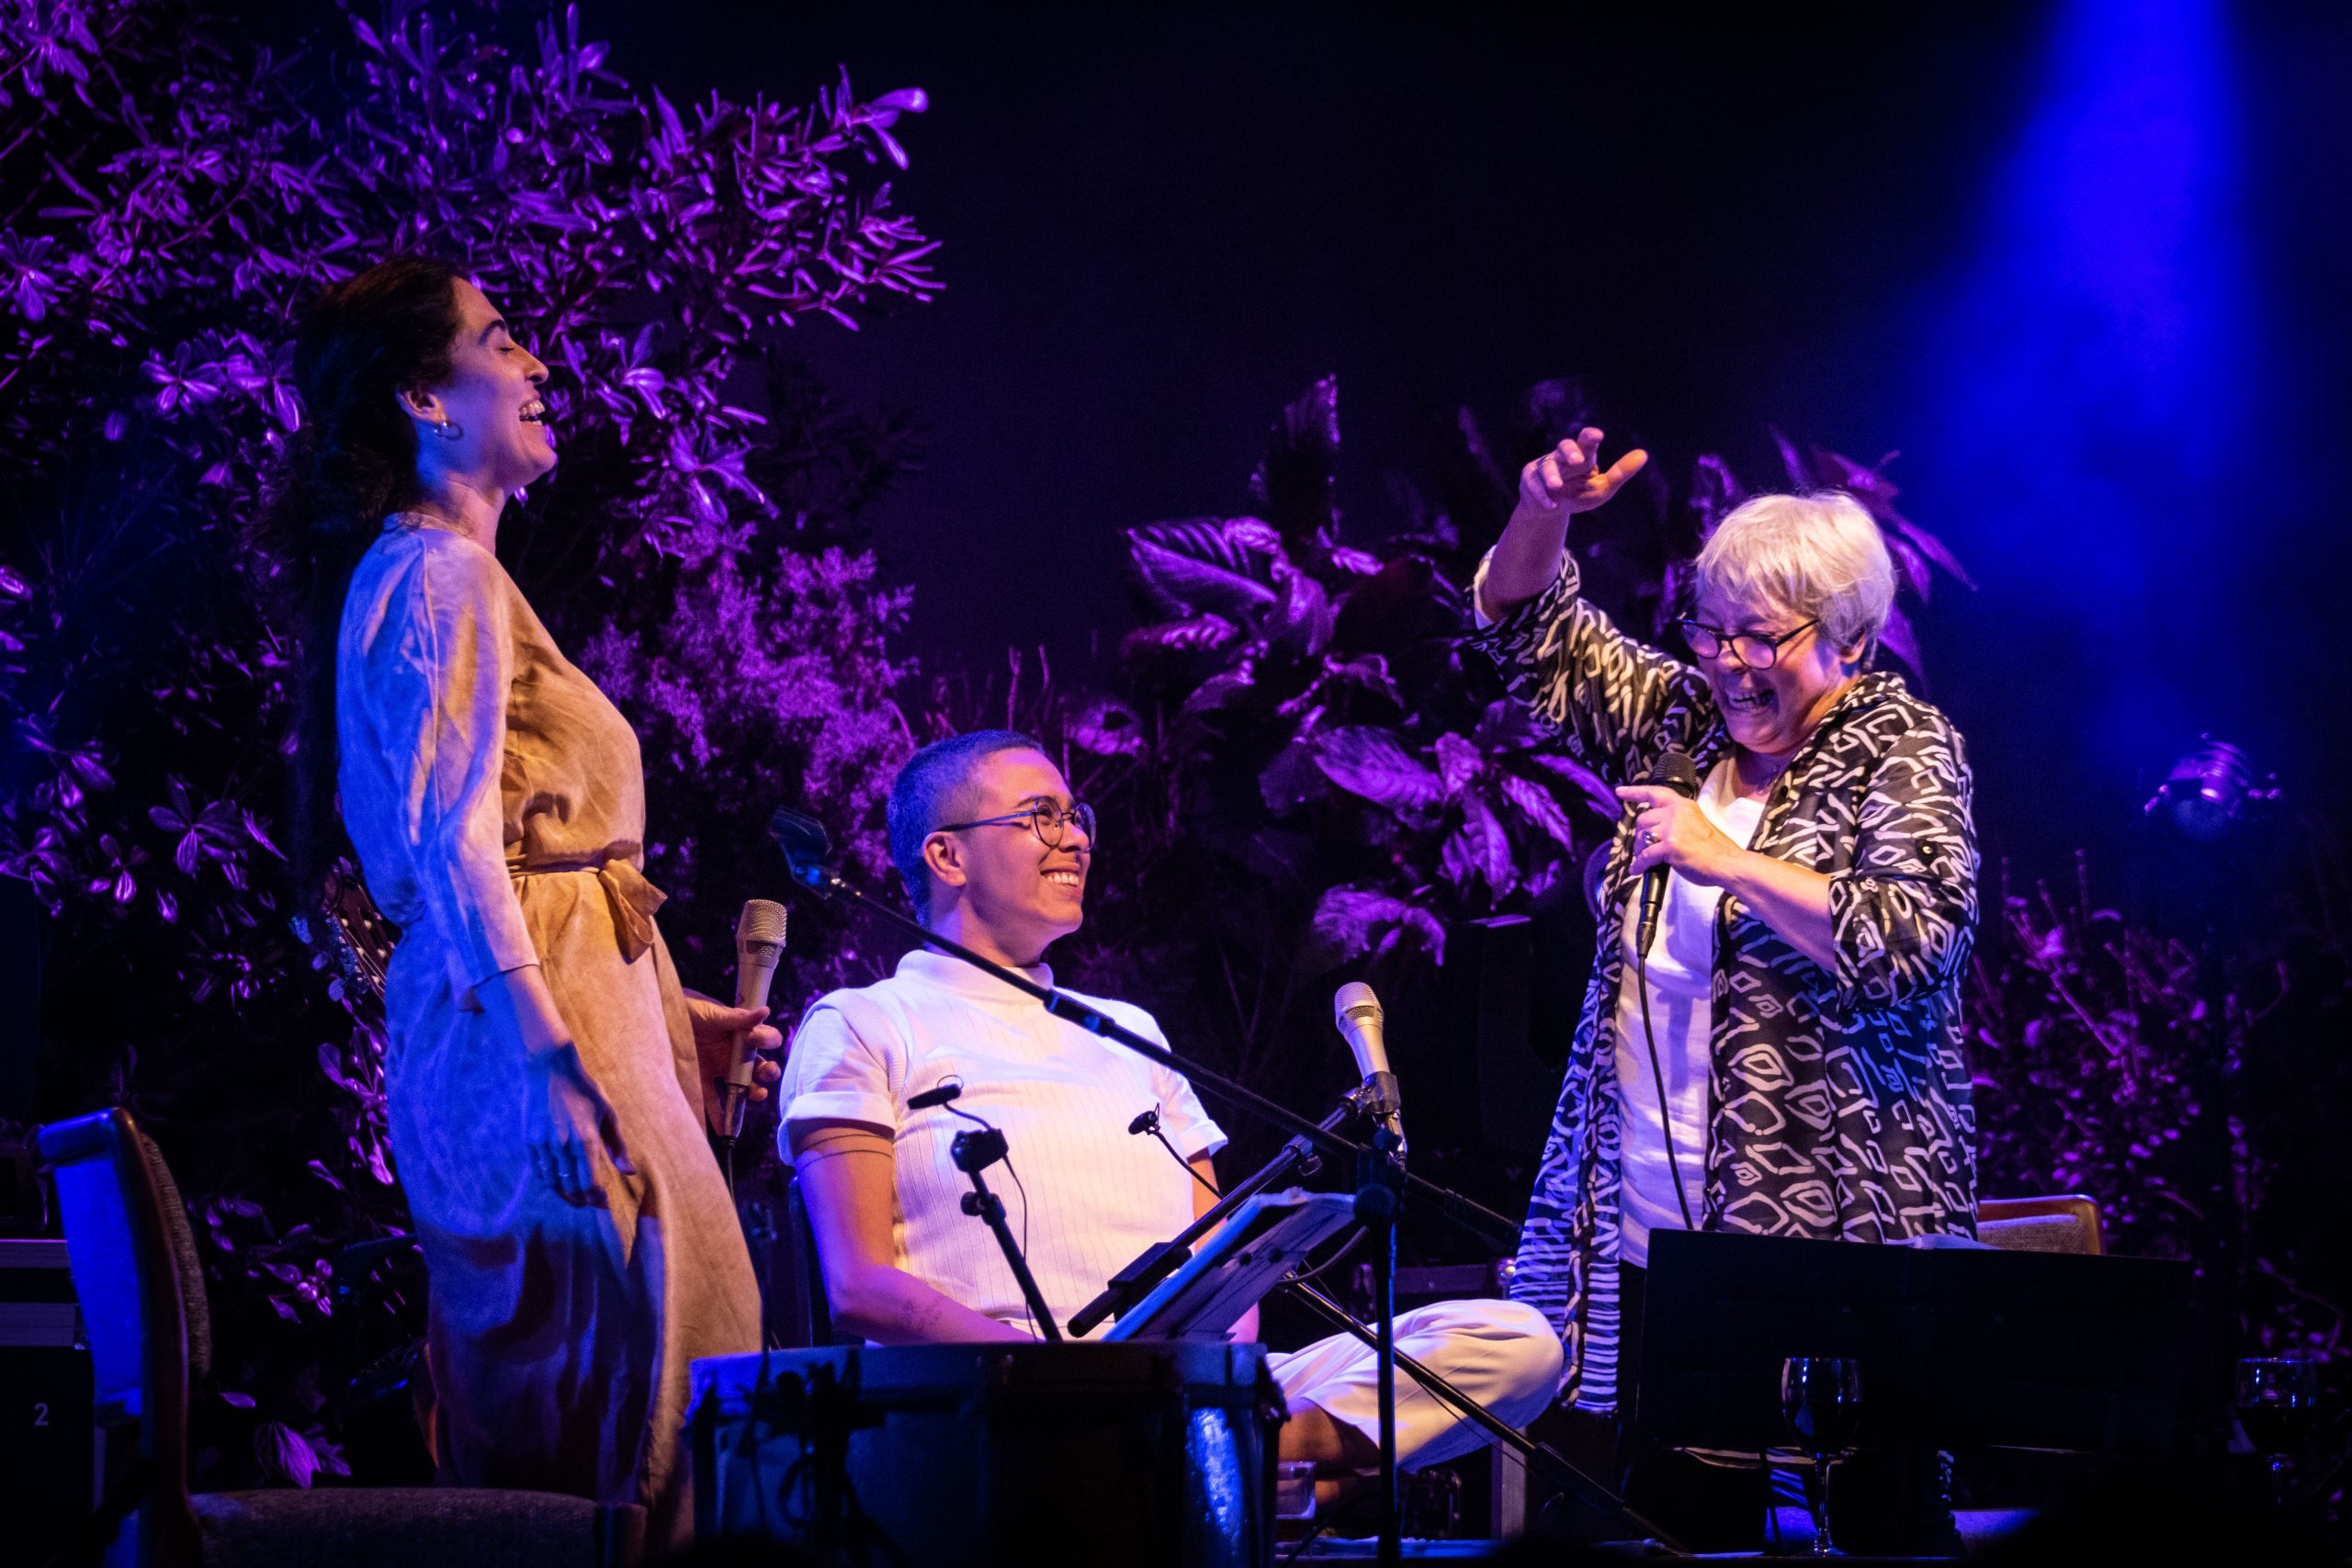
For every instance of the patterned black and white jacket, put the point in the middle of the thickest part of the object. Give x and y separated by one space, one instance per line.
1840 1104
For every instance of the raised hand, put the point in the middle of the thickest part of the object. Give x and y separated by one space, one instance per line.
1569 478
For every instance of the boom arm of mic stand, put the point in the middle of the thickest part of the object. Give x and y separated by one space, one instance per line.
1554 1468
1471 1216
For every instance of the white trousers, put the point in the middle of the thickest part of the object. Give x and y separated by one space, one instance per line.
1502 1354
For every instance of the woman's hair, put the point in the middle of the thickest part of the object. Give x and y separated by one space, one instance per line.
1817 554
350 465
935 785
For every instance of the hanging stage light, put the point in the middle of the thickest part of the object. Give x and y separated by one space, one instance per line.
2209 790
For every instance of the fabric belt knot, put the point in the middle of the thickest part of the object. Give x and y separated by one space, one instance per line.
632 899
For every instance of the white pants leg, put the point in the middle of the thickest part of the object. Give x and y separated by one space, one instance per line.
1502 1354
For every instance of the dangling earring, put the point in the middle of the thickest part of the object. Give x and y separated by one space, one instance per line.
450 430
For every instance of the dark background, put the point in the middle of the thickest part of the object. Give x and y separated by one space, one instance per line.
2081 262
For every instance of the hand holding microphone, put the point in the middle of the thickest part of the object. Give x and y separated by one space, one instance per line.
759 947
1671 833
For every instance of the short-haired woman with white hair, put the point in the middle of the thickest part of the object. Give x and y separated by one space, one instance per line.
1794 1064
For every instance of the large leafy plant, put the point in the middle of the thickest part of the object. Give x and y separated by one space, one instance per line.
1303 776
1302 769
174 195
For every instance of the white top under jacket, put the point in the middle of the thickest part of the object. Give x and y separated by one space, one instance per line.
1683 977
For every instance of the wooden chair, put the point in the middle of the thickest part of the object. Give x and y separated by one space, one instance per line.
143 1304
2066 1222
812 1309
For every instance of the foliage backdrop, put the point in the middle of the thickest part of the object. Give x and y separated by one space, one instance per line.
174 195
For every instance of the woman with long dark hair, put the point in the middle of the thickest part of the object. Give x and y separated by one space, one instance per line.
544 1065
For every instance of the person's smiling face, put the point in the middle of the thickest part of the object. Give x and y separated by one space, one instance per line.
493 397
1773 708
1009 882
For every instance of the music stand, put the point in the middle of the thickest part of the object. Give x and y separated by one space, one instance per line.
1959 1346
1266 1238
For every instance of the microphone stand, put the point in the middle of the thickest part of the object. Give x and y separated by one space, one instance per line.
974 1153
1134 1281
805 846
1376 1184
1540 1457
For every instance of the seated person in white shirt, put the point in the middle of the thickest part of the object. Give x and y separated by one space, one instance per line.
995 856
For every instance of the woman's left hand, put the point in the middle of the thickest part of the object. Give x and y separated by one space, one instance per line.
718 1037
1671 831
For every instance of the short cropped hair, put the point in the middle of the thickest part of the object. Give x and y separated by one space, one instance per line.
935 786
1813 556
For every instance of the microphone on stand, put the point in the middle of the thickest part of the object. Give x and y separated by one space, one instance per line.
930 1098
759 944
1357 1013
1677 772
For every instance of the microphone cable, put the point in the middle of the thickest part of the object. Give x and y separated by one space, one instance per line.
1657 1078
1148 1121
1673 770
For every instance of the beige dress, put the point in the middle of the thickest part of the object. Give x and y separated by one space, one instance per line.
498 805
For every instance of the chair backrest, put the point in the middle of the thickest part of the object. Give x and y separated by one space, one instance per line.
2065 1222
143 1303
813 1313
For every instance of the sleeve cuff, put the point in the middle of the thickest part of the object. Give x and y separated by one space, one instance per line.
1540 611
1208 1135
837 1105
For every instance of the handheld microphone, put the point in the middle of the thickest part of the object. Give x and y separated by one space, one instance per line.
1357 1013
759 944
1677 772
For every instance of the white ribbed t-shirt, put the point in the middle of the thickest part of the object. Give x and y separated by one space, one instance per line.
1090 1196
1682 979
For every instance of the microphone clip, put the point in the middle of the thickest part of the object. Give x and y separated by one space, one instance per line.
1377 1098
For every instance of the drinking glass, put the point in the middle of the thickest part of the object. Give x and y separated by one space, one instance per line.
1820 1396
2278 1401
1294 1490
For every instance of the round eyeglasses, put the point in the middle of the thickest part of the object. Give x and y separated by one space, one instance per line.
1755 649
1048 821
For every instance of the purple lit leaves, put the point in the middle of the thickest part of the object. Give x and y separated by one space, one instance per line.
162 238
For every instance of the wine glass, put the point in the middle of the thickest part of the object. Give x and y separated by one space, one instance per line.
2278 1401
1822 1398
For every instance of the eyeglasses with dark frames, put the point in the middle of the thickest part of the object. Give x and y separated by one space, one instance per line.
1048 821
1755 649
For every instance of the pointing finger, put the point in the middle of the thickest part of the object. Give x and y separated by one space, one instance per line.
1626 466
